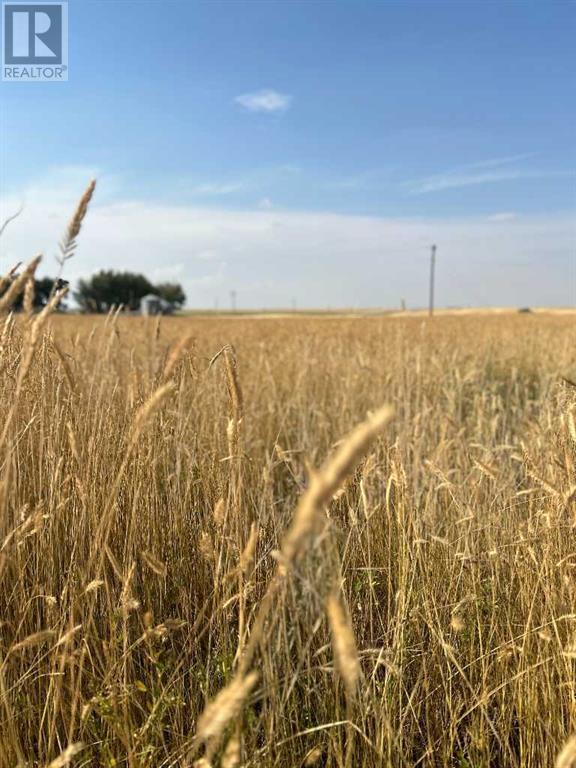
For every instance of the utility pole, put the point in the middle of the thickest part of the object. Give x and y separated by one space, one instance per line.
233 300
432 270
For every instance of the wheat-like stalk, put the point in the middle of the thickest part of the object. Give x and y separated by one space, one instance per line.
323 485
67 756
233 382
224 708
69 241
146 411
567 756
18 284
28 301
247 554
325 482
344 643
6 279
232 753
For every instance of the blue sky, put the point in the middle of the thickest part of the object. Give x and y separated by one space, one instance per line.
453 120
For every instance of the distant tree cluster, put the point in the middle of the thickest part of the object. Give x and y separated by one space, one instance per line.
108 288
105 290
43 289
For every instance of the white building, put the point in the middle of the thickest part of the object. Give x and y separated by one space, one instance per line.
151 304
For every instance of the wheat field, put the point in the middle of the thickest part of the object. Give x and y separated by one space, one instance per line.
206 561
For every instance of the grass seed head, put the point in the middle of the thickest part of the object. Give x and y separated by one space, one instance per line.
225 707
344 644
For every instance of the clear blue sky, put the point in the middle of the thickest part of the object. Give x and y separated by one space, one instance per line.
430 111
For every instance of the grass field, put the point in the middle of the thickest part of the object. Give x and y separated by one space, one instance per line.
199 567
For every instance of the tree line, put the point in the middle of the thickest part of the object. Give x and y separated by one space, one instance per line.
105 290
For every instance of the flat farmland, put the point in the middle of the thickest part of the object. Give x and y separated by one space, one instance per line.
282 541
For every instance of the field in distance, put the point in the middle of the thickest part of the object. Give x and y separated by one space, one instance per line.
347 313
199 567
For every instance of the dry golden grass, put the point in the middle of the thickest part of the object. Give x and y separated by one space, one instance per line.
195 570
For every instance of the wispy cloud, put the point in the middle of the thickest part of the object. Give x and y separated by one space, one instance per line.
496 162
373 179
490 171
266 100
454 181
216 190
257 181
504 216
361 181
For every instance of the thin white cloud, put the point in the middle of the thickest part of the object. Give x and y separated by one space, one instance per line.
216 190
496 162
319 259
504 216
266 100
489 171
442 182
482 172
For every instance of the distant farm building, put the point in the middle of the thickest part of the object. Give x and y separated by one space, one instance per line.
155 305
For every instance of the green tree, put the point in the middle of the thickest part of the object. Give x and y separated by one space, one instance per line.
43 288
173 293
108 288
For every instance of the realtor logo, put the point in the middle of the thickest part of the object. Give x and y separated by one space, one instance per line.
35 41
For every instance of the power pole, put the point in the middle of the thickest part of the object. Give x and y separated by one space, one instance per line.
233 300
432 270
